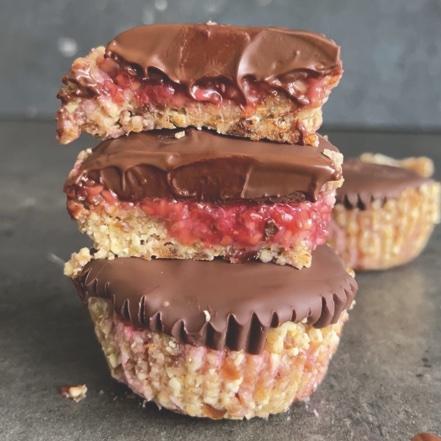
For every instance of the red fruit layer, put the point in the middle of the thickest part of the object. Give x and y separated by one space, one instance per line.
243 225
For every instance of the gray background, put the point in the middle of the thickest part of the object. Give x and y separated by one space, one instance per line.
391 49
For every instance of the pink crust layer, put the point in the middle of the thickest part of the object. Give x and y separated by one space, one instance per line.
203 382
387 233
242 228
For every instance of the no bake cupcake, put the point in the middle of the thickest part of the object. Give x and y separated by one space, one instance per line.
251 82
193 194
211 339
384 214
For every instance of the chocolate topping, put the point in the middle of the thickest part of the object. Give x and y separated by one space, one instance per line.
194 54
87 87
218 304
366 182
203 166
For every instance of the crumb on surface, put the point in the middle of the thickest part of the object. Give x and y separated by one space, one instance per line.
76 393
426 436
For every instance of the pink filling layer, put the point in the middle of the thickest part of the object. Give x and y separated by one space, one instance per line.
245 226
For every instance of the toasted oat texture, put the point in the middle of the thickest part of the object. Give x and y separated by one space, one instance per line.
134 235
202 382
114 111
387 234
130 233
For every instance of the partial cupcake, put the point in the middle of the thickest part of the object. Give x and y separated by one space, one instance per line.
385 211
193 194
252 82
211 339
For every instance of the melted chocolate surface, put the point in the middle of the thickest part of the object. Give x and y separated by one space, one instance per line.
194 55
366 182
203 166
218 304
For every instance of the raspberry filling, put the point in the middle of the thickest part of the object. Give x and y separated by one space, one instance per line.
245 226
122 80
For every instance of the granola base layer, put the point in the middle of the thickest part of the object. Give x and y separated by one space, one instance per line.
386 234
120 232
202 382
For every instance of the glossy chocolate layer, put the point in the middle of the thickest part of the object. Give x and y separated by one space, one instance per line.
366 182
195 54
218 304
203 166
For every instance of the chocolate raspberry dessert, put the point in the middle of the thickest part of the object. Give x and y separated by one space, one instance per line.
252 82
194 194
384 214
208 201
211 339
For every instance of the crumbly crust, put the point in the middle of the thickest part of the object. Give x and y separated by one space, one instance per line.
203 382
132 234
386 234
277 118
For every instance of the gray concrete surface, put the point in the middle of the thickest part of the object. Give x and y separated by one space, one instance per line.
391 49
384 383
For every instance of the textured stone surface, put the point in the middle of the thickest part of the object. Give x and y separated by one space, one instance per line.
391 49
383 384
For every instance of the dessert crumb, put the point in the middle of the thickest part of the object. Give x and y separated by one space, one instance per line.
426 436
76 393
180 135
333 156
